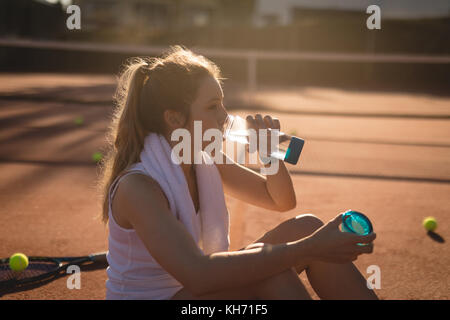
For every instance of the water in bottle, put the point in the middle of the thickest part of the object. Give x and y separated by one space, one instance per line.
289 147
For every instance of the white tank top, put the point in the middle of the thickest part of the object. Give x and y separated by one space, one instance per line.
132 271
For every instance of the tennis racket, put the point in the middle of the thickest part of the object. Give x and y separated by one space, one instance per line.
41 269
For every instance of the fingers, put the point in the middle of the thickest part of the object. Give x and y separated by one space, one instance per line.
276 123
360 249
350 255
258 122
352 238
353 249
336 221
251 122
268 121
366 248
364 239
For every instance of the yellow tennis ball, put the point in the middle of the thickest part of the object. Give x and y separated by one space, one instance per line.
430 223
18 262
97 156
78 120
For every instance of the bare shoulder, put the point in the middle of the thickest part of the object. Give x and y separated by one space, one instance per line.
135 181
136 189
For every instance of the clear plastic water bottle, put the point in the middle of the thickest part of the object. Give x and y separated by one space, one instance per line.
289 147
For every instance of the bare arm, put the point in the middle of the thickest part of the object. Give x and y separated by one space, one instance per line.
226 270
141 202
273 192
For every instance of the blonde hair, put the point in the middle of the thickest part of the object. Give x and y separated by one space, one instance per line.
147 87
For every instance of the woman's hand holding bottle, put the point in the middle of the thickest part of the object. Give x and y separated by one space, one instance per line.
330 244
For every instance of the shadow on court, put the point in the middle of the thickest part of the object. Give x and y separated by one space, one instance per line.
436 237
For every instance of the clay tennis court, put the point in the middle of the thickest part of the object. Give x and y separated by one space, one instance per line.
384 154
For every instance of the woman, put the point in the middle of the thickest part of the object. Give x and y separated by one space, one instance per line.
154 256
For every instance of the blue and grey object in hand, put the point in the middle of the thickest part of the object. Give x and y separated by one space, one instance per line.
356 222
294 150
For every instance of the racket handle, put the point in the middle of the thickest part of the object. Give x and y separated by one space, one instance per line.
98 257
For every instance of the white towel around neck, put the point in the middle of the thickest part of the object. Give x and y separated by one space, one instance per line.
213 235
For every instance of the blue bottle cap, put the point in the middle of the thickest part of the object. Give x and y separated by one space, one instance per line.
356 222
294 149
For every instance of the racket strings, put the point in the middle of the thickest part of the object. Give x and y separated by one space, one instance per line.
34 269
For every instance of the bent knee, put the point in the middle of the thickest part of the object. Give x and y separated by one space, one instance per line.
310 220
307 223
